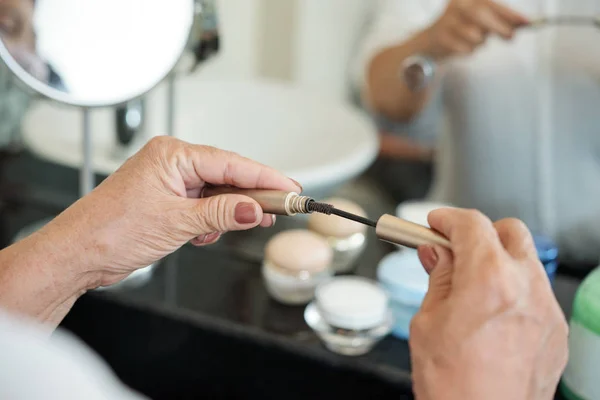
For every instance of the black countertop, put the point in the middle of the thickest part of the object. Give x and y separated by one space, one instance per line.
215 288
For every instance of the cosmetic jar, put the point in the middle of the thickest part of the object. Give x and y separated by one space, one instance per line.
295 263
346 238
350 315
548 254
580 378
417 211
402 275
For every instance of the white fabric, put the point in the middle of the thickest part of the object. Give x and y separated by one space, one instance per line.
523 137
34 366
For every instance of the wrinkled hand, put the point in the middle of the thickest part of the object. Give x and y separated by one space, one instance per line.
490 326
466 24
150 207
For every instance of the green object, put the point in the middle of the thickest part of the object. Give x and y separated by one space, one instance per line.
586 307
580 379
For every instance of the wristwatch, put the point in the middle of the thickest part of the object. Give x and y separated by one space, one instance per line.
418 72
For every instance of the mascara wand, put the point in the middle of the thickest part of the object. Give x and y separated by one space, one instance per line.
387 228
328 209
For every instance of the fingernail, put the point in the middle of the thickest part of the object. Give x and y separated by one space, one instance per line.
429 257
273 220
207 238
297 184
245 213
211 237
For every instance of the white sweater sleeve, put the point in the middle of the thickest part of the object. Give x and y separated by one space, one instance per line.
34 366
393 22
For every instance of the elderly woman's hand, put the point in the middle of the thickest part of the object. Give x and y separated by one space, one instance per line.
490 326
151 206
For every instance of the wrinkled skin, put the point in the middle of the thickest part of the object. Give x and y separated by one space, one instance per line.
490 326
150 206
146 210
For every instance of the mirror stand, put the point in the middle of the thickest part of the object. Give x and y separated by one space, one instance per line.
171 104
171 271
86 174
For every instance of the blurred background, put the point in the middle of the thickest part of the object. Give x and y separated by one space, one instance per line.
297 84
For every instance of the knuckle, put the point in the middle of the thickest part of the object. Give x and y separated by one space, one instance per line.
507 296
504 294
217 218
159 142
218 152
476 218
164 148
498 281
209 150
515 224
228 175
504 297
192 223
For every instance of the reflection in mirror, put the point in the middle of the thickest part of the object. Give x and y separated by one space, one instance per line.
94 53
204 39
90 52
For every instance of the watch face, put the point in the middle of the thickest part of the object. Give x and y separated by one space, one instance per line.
414 76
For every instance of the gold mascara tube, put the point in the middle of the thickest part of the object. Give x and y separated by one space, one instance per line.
388 228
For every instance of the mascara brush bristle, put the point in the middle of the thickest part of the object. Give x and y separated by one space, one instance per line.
328 209
321 208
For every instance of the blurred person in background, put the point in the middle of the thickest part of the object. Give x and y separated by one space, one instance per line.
17 32
517 106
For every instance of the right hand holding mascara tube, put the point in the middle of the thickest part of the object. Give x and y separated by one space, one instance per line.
490 326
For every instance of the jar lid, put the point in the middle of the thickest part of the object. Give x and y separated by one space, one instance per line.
352 303
546 248
299 250
334 226
403 275
417 211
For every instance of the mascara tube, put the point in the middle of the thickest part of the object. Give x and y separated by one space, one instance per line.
271 201
399 231
388 228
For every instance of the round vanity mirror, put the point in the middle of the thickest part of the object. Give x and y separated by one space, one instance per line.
93 53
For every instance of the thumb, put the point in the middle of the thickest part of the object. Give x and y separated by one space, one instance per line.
223 213
438 262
